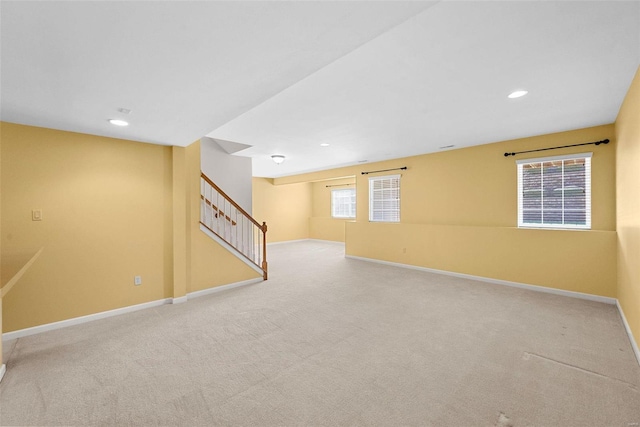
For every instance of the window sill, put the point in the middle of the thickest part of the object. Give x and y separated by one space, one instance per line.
534 227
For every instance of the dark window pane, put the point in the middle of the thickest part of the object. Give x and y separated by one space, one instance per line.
531 178
552 202
575 201
532 202
554 192
552 217
575 217
532 217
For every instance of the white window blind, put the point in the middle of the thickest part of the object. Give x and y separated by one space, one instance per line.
555 192
343 203
384 198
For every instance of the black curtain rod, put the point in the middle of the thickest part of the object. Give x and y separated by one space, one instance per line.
338 185
604 141
386 170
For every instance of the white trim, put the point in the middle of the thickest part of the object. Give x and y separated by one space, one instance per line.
335 242
537 288
634 345
555 158
8 336
335 202
286 241
305 240
3 370
565 227
203 292
545 225
231 249
390 178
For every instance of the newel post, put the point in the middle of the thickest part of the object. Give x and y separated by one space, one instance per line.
264 250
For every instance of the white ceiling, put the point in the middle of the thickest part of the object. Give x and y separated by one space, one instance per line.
375 80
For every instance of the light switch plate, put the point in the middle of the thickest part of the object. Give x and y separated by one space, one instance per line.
36 215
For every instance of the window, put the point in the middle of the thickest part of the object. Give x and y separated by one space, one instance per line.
343 203
384 198
555 192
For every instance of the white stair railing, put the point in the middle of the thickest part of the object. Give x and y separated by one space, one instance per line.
227 220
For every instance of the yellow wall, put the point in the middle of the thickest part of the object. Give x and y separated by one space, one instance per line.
300 210
180 229
103 222
628 206
321 224
459 213
285 208
108 214
570 260
477 185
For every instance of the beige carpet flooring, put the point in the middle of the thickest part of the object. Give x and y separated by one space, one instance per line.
331 341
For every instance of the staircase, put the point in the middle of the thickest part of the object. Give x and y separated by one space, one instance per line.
227 221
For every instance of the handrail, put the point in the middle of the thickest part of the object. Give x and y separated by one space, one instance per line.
215 208
229 199
233 224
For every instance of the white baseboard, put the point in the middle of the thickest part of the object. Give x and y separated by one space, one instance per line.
305 240
8 336
536 288
327 241
209 291
179 300
286 241
572 294
3 370
634 345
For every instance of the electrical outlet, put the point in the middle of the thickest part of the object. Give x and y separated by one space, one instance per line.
137 280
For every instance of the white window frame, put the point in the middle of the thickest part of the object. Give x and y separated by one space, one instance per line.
351 206
372 214
520 164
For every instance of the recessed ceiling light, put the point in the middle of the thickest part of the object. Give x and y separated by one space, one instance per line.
118 122
324 144
363 161
518 93
447 146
